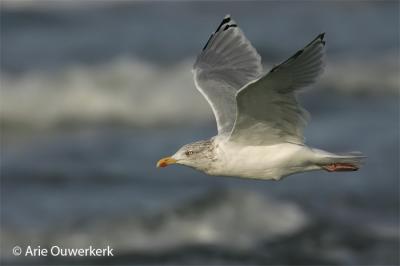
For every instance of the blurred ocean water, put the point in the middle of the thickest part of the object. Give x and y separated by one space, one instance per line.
90 63
94 93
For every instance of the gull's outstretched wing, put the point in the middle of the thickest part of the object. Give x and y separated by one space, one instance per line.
268 111
226 63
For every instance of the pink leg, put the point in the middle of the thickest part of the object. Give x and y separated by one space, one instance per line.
340 167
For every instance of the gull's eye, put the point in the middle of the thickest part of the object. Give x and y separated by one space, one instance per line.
188 153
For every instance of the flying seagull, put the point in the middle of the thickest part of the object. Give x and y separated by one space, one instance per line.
260 123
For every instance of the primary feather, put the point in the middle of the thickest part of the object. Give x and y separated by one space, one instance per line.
227 62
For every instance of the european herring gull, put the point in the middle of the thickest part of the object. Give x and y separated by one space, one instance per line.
260 122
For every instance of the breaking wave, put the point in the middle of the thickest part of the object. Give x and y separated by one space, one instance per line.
227 218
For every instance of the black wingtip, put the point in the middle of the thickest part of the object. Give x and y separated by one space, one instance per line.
230 26
226 19
208 41
319 38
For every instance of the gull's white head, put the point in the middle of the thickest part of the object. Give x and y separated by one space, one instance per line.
198 155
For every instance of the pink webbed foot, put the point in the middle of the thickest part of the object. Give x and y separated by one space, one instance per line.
340 167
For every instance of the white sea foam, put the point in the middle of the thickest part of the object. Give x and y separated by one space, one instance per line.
137 93
233 219
128 92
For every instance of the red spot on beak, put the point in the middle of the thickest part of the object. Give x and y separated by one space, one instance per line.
165 162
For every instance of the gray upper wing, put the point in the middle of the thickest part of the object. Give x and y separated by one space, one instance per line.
268 111
227 62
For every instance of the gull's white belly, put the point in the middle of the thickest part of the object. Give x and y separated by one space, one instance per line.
264 162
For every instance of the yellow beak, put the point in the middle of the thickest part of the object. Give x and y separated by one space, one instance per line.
164 162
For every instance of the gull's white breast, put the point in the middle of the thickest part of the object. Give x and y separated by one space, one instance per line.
263 162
